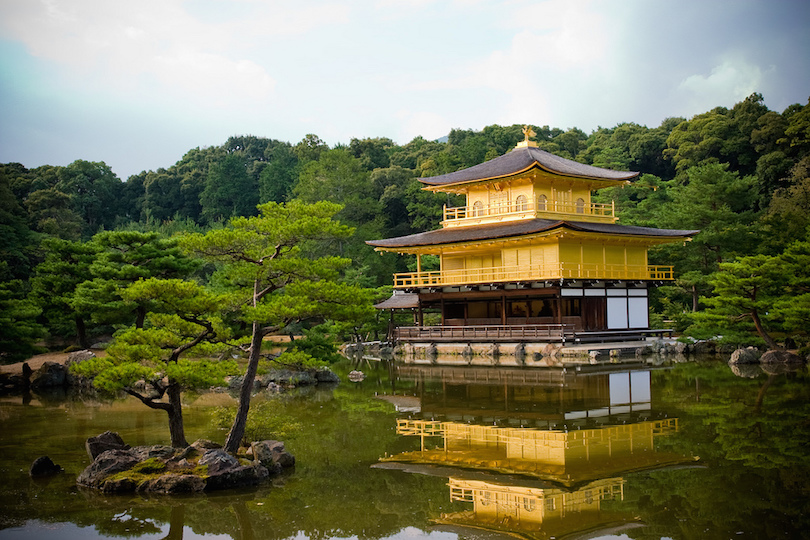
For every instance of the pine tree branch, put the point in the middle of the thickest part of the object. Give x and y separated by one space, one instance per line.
148 401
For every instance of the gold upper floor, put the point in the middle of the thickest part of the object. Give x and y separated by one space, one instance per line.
523 208
534 194
555 255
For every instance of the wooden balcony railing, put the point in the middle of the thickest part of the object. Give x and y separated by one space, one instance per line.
530 208
504 274
521 437
545 332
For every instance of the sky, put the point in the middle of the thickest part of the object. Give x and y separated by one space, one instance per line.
137 84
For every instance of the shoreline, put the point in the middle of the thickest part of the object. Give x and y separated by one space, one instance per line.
36 361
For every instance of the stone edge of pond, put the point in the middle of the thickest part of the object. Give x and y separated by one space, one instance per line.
200 467
55 373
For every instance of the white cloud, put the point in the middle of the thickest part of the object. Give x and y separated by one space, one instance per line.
429 125
404 7
729 82
557 54
278 19
565 34
402 4
213 78
123 46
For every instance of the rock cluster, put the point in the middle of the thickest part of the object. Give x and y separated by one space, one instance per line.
99 444
43 466
749 355
55 375
750 363
49 375
279 379
781 357
752 355
376 349
202 466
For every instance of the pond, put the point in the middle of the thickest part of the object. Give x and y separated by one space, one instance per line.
640 449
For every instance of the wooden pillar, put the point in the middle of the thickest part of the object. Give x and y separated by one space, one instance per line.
442 310
559 307
604 271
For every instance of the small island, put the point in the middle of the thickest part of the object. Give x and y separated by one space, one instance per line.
201 466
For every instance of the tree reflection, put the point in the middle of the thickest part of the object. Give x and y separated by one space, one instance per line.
176 523
753 435
243 521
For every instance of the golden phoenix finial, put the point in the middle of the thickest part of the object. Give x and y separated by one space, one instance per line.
528 133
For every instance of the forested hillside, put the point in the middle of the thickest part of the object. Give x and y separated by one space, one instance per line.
69 236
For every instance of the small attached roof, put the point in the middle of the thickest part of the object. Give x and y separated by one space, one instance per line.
399 300
522 159
453 235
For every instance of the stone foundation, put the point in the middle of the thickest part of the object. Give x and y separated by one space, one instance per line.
517 354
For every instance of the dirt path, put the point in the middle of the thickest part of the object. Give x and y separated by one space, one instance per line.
35 362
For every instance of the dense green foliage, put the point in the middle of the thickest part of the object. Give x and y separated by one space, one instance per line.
271 268
149 361
266 276
739 174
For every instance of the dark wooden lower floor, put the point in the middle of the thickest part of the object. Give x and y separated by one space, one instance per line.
581 308
542 333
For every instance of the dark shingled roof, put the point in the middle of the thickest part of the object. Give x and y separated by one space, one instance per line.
453 235
522 159
399 300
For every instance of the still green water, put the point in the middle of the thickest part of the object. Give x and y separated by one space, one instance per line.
683 450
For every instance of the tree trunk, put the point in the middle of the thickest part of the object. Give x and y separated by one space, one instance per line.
81 333
140 316
175 412
237 431
772 344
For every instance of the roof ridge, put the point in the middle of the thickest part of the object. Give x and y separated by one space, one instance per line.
513 163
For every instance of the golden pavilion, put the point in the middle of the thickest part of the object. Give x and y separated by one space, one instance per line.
530 256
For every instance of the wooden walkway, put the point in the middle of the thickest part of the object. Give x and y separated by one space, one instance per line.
482 333
550 333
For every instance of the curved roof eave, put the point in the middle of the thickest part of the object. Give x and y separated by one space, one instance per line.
456 235
521 160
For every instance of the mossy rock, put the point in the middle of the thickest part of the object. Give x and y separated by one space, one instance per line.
150 466
137 475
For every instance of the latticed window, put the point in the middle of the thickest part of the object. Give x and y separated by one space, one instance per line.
521 203
542 200
580 206
478 209
498 201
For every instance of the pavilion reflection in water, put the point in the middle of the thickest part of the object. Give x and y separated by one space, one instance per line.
536 453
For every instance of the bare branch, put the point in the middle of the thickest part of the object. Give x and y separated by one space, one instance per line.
209 330
148 401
